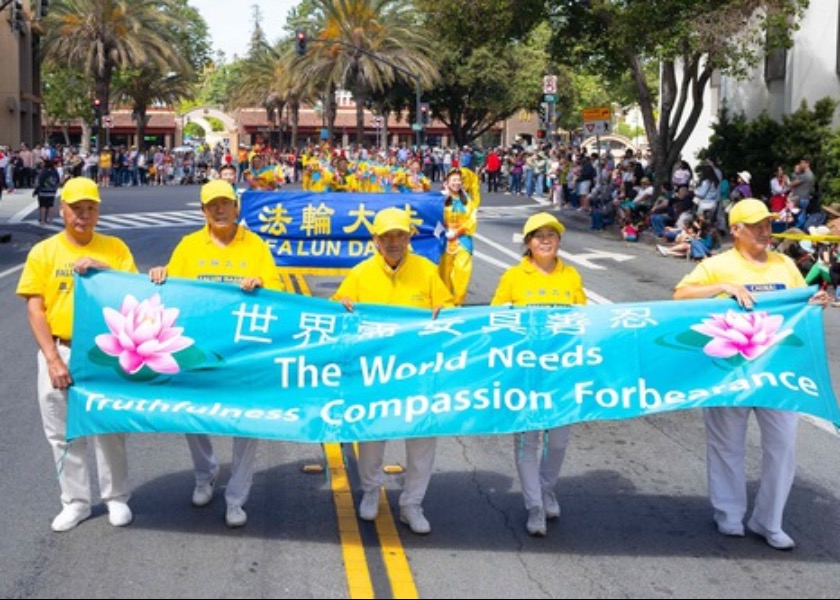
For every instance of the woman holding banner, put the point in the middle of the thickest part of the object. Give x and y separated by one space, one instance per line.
540 278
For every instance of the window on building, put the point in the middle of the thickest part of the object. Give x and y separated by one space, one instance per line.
775 65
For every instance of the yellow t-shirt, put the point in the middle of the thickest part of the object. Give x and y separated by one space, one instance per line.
105 160
197 256
48 273
414 283
525 284
778 273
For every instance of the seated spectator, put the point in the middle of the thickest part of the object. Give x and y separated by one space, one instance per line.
604 215
630 232
696 241
788 216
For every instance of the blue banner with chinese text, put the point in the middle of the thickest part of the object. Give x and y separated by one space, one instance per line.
333 230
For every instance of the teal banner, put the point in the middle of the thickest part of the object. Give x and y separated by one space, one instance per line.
194 357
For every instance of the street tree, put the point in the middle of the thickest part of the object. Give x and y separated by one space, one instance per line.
143 86
101 36
364 46
65 92
488 68
688 39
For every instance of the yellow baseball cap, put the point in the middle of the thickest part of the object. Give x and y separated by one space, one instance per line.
542 219
391 219
78 189
218 188
750 211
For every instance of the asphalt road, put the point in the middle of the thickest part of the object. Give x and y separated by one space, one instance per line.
636 521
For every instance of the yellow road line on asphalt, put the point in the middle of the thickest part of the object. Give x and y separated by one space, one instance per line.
359 583
393 555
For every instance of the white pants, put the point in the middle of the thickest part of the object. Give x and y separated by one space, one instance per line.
420 460
536 473
71 458
726 434
242 465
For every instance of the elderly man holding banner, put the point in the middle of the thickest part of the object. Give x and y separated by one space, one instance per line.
741 273
395 276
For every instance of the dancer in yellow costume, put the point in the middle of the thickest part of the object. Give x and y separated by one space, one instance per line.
471 182
459 218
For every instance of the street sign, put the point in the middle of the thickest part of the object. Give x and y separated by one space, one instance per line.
378 122
597 113
107 121
597 127
549 98
550 85
416 127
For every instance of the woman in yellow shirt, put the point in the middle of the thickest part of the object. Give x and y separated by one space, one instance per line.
540 278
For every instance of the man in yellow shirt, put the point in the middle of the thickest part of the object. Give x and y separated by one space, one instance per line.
395 276
741 273
47 286
222 251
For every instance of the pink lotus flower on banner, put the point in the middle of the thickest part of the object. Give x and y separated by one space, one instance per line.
142 334
749 334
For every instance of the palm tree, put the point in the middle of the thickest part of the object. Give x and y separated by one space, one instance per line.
146 86
364 45
100 36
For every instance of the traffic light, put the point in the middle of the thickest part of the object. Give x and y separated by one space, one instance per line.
97 113
44 8
543 112
540 134
300 42
425 116
17 15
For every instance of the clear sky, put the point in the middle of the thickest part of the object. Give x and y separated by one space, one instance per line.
231 22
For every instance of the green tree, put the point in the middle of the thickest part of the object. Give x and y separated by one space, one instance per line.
65 96
101 36
489 65
364 46
688 39
145 86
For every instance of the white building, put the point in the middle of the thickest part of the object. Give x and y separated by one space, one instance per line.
809 70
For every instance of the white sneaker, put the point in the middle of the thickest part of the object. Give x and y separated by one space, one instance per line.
119 514
69 517
550 504
369 506
203 492
235 516
730 529
536 522
413 517
778 540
